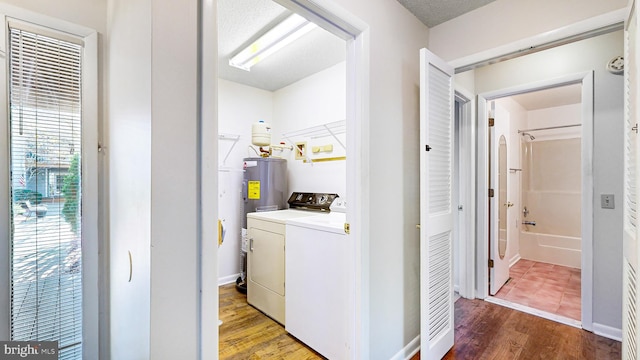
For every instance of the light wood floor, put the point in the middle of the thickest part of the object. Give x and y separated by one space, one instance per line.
483 331
246 333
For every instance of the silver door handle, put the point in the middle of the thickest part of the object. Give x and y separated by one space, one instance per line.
251 244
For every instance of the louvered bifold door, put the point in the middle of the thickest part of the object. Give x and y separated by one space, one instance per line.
630 206
436 215
45 145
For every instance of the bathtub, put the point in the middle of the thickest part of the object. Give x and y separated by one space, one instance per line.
549 248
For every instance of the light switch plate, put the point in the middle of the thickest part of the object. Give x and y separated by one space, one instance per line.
607 201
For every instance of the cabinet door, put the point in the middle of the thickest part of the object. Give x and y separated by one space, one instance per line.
317 290
266 260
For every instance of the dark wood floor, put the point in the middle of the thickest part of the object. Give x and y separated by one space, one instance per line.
489 331
483 331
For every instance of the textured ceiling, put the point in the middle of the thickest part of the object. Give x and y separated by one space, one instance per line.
241 22
434 12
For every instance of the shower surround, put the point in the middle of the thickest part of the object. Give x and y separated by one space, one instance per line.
551 192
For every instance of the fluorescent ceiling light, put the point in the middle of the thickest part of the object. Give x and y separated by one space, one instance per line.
273 40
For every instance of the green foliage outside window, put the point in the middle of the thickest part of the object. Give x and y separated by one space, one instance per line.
70 188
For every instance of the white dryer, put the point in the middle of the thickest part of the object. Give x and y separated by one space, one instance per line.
266 233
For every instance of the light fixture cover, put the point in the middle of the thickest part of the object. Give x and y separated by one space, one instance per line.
273 40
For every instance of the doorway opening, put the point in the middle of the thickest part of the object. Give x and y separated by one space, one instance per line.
535 214
497 271
309 86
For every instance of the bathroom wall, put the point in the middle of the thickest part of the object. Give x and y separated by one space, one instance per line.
552 186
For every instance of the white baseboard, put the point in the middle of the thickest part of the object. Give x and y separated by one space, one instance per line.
514 260
409 350
228 279
607 331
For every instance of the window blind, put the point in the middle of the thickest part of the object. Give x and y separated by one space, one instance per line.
45 118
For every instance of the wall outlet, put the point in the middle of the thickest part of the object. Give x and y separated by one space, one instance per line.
607 201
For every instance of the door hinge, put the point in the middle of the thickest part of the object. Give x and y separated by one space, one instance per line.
490 263
635 128
427 148
492 121
347 228
490 192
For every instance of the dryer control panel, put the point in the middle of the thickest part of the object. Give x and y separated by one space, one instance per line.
311 201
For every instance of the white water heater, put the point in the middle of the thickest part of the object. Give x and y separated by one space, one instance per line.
261 133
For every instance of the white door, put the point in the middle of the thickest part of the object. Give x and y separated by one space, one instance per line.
498 203
630 264
436 215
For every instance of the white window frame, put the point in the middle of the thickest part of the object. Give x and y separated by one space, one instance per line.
91 280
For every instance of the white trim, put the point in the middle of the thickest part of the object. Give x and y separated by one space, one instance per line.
587 144
409 350
208 153
94 318
5 201
607 331
94 284
466 253
225 280
482 201
586 79
529 310
531 44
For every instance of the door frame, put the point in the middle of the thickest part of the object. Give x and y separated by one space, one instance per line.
586 80
465 259
573 32
333 18
95 287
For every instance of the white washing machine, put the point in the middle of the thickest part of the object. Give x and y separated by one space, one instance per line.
317 273
266 233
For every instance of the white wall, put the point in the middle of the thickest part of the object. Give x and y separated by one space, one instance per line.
312 101
129 155
175 196
391 249
154 202
239 107
89 13
505 21
556 116
315 100
587 55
